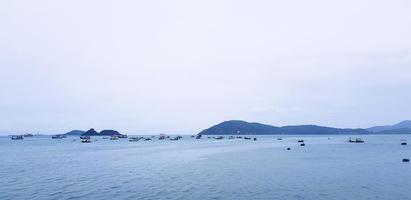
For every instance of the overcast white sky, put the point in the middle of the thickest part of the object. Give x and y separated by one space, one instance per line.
182 66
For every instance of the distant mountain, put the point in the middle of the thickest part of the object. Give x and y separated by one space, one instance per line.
237 127
75 132
93 132
402 126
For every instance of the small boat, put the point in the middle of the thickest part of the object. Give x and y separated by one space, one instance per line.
122 136
58 136
86 141
219 137
231 138
162 137
302 144
198 137
356 140
147 139
17 137
279 138
255 139
403 142
247 138
84 137
134 139
28 135
300 141
105 138
288 148
192 136
406 160
114 137
239 137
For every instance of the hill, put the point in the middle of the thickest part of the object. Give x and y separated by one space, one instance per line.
237 127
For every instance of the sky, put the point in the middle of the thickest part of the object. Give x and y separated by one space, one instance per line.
181 66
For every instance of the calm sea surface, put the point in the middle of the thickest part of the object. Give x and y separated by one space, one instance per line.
326 168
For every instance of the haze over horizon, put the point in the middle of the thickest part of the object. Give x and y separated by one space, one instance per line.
183 66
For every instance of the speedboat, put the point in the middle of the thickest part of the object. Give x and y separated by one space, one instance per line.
356 140
17 137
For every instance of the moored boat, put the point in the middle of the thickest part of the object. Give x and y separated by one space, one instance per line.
356 140
17 137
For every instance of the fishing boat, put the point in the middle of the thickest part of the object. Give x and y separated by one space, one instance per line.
17 137
84 137
134 139
356 140
86 141
58 136
114 137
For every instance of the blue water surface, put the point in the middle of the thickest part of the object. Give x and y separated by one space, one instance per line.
328 167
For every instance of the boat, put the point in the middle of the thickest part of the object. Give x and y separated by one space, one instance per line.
288 148
406 160
198 137
122 136
302 144
300 141
162 137
58 136
231 138
255 139
28 135
239 137
356 140
247 138
403 142
84 137
218 137
147 139
176 138
105 138
279 138
114 137
134 139
17 137
86 141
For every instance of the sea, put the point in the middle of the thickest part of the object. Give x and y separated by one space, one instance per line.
327 167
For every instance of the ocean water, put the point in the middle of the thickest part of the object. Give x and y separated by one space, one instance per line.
326 168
